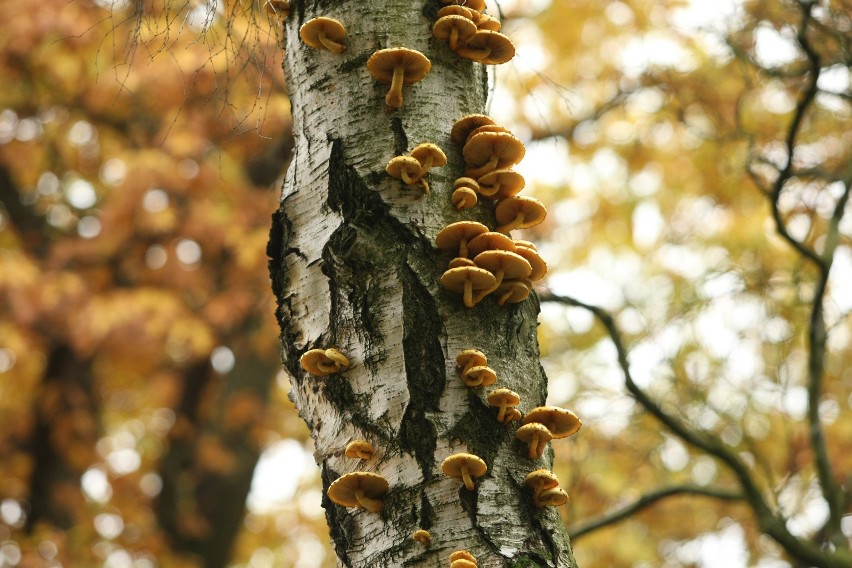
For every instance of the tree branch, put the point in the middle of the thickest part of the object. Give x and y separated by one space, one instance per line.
650 499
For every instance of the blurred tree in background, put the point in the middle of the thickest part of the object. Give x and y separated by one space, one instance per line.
696 164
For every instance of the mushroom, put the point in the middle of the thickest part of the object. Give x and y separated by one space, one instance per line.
465 467
456 10
323 33
463 563
541 480
407 169
398 66
428 155
519 212
422 536
511 415
467 124
467 280
488 47
500 184
459 261
489 151
503 399
481 376
463 198
490 241
462 555
455 236
536 435
454 28
486 22
551 498
323 362
502 264
359 489
361 449
489 128
539 267
513 291
468 359
560 421
526 244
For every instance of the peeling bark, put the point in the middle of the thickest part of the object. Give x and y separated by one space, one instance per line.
354 266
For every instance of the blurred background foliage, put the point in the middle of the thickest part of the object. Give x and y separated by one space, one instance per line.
142 147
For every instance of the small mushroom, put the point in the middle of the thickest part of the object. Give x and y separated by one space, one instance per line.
560 421
486 22
500 184
481 376
422 536
541 480
519 212
455 236
539 267
467 124
536 435
454 28
459 261
462 555
489 151
504 399
463 198
468 359
512 415
429 156
361 449
463 563
490 241
323 362
407 169
456 10
488 47
359 489
551 498
467 280
465 467
526 244
323 33
502 264
513 291
398 66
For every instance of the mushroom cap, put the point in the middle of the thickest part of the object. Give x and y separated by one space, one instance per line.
532 209
471 358
459 261
463 563
465 125
478 5
479 149
464 26
466 182
489 128
382 63
463 198
314 360
454 279
422 536
455 10
421 152
539 267
512 414
541 479
479 376
529 430
397 164
486 22
359 448
490 241
555 497
560 421
311 30
503 396
462 555
453 465
525 244
513 265
451 236
342 491
511 183
513 291
498 47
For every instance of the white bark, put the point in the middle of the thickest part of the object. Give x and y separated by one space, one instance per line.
354 267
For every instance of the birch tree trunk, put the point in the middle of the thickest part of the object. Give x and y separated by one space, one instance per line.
354 266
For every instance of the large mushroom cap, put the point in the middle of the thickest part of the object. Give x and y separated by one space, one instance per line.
513 291
359 489
555 497
503 399
429 155
398 66
539 267
489 151
488 47
490 241
503 264
465 467
455 236
479 376
467 124
323 33
361 449
536 435
466 280
519 212
456 10
323 362
462 555
405 168
541 479
500 184
560 421
454 29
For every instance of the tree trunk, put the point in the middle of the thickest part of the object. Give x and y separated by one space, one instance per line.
354 266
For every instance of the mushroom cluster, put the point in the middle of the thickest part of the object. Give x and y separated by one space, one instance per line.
545 487
411 168
472 33
463 559
545 423
323 362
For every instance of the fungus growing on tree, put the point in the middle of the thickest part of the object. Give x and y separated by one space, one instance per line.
406 169
429 156
467 280
560 422
500 184
519 212
454 29
323 33
422 536
459 262
456 10
504 399
481 376
467 124
468 359
359 489
398 66
463 563
464 467
361 449
455 236
539 267
488 47
489 151
502 264
323 362
490 23
537 436
551 498
546 490
490 241
513 291
512 415
462 555
463 198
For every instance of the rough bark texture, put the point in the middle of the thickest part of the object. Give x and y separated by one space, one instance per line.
354 266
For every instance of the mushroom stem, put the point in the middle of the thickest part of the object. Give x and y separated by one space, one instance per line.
454 38
468 294
394 96
514 223
498 276
502 413
407 178
425 185
328 367
372 505
331 45
489 190
479 171
463 248
424 166
534 453
468 482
